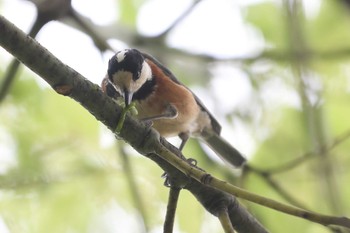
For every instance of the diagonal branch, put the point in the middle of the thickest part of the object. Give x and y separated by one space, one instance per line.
302 158
180 18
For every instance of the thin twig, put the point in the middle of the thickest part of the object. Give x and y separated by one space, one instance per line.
275 185
225 221
98 40
201 176
180 18
174 193
301 159
287 209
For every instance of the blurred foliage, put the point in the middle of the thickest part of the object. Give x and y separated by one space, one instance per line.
128 12
64 176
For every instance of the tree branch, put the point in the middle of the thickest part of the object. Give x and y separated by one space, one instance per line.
173 198
180 18
225 221
285 167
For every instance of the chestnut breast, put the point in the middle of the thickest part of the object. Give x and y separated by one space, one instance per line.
168 92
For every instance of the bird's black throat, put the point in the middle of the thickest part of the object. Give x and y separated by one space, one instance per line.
147 89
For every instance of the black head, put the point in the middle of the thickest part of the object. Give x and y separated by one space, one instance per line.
128 71
128 60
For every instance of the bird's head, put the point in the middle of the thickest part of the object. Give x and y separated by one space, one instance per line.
128 71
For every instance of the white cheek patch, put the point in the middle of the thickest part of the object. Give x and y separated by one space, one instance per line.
146 72
121 56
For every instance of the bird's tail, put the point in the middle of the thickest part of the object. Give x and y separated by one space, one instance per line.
222 148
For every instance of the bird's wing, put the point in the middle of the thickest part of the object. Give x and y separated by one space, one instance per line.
215 124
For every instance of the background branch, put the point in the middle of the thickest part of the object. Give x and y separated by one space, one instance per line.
46 12
134 189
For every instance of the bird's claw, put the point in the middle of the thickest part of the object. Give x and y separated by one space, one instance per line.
165 176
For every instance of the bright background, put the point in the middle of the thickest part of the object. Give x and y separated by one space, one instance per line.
275 74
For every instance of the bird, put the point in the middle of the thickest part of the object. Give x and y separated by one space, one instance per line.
161 98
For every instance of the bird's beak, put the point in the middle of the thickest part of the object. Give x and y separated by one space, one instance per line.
127 97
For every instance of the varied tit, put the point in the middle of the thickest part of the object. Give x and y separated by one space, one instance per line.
162 99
